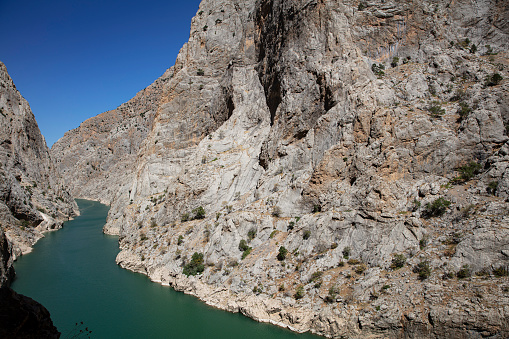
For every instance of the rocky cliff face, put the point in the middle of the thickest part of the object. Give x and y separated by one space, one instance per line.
343 167
33 197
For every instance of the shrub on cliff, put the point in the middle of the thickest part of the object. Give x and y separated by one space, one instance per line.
437 208
195 266
282 253
423 269
469 171
398 261
299 293
199 213
493 79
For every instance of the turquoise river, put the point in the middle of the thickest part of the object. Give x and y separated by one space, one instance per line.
73 273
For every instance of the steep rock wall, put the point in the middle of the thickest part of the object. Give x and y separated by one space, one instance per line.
33 195
276 122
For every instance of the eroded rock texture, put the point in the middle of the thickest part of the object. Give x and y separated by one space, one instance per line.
33 196
332 129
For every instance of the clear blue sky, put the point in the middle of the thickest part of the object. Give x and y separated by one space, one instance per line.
74 59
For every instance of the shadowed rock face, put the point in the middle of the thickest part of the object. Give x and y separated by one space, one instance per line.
331 129
22 317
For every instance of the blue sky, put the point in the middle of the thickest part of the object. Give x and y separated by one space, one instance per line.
74 59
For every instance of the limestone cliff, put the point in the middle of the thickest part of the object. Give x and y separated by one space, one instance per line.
33 196
342 166
33 200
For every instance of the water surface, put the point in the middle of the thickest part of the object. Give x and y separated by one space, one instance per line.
72 272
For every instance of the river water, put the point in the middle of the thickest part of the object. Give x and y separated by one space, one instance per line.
73 273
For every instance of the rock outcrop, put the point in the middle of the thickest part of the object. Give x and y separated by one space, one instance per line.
33 196
339 167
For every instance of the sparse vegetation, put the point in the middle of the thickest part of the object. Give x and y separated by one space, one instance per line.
398 261
251 234
315 276
282 253
306 234
246 252
180 240
492 187
464 111
276 211
199 213
195 266
378 69
299 293
464 272
436 110
333 293
243 245
437 208
359 269
493 79
395 61
346 252
469 171
423 270
501 271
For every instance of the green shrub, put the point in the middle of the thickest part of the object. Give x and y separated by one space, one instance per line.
437 208
317 208
359 269
502 271
299 293
291 225
493 79
246 252
185 217
333 294
272 234
276 211
469 171
180 240
195 266
492 187
306 234
199 213
353 262
282 253
423 269
143 237
464 111
315 276
346 252
378 69
436 110
464 272
394 62
251 234
243 245
398 261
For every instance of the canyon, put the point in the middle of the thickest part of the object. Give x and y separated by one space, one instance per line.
339 167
